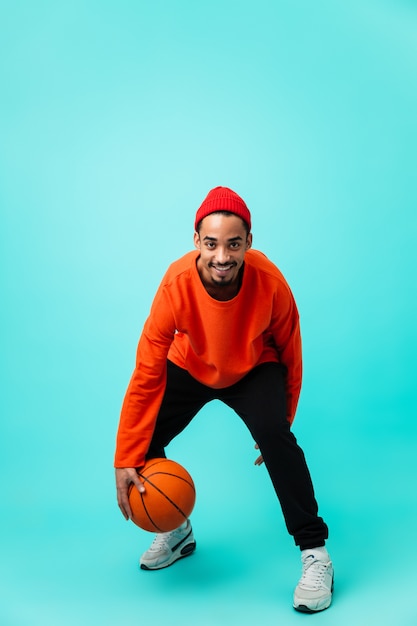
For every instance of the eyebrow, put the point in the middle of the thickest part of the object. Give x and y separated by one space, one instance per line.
208 238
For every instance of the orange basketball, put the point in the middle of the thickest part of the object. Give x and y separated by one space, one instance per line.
168 499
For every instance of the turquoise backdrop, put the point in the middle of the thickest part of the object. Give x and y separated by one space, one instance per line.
116 118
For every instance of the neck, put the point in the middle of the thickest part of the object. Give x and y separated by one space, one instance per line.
222 293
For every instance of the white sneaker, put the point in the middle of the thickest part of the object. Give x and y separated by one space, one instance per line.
169 547
314 591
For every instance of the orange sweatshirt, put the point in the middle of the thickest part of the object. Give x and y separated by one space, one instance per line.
216 342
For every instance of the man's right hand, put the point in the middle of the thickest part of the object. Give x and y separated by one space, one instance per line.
125 476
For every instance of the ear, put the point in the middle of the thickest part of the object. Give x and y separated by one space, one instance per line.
197 242
249 240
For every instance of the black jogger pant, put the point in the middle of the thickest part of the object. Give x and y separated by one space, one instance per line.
260 400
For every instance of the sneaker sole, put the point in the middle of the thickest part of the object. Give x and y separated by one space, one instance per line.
302 608
185 551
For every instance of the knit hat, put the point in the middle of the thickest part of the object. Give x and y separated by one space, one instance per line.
223 199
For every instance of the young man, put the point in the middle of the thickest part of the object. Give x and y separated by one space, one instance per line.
224 325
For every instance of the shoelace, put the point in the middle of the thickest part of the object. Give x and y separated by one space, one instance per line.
313 573
161 540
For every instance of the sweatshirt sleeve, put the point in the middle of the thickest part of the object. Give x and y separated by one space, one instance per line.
147 385
287 337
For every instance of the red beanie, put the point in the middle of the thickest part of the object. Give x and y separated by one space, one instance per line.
223 199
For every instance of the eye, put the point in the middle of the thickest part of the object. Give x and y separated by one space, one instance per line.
210 245
235 245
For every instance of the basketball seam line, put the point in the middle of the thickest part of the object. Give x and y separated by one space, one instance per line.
148 514
191 484
165 496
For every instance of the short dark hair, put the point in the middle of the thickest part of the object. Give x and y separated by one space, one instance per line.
222 212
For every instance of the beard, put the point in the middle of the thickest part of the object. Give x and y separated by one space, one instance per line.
225 281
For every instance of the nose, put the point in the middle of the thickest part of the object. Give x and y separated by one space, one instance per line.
222 255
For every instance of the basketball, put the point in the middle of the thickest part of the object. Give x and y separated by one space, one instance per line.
168 499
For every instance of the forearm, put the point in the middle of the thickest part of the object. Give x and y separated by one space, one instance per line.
142 400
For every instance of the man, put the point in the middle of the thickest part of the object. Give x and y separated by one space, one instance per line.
224 325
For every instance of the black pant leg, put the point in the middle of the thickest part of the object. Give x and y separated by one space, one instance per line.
184 397
260 400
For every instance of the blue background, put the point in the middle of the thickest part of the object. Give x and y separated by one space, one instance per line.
116 120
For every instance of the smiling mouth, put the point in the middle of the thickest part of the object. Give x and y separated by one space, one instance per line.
226 266
222 268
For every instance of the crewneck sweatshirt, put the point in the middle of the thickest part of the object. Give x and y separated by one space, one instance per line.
217 342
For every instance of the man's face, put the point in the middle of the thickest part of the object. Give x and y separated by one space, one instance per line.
222 242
